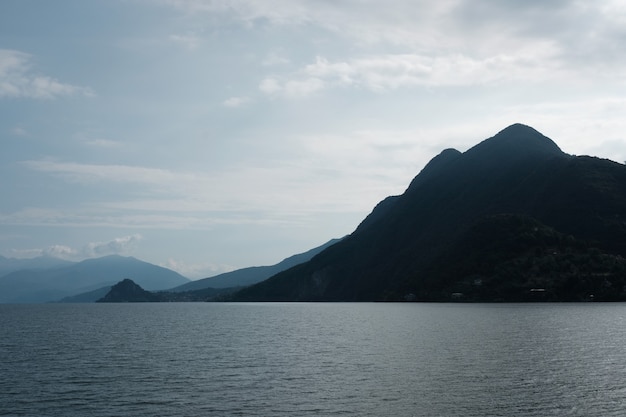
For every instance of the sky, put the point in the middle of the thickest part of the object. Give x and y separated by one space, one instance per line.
207 136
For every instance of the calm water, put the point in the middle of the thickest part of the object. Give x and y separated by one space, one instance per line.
313 359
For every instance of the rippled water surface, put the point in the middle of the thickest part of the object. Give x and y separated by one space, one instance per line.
313 359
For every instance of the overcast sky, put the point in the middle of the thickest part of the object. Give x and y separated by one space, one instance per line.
207 136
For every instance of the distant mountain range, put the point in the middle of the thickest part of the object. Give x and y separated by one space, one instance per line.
8 265
49 279
252 275
207 288
56 281
512 219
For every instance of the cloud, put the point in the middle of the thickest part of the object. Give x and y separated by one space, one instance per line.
276 11
102 143
586 38
86 173
60 251
235 102
55 251
292 88
154 214
17 80
270 86
117 246
383 73
188 41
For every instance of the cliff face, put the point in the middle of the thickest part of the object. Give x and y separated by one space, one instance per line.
517 186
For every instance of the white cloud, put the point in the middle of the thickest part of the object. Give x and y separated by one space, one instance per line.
55 251
117 246
103 143
276 11
303 88
234 102
391 72
188 41
292 88
582 37
60 251
17 80
270 86
85 173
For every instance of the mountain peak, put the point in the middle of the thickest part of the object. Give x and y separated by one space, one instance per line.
515 143
519 140
519 128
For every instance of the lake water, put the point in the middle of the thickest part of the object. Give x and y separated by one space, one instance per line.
313 359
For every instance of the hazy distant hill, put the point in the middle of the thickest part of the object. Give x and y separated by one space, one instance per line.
8 265
248 276
43 285
513 218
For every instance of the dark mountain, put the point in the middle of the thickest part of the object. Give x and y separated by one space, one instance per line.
126 291
513 257
510 215
8 265
252 275
32 286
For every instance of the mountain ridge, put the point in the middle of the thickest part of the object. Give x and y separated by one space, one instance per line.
45 285
253 274
8 265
